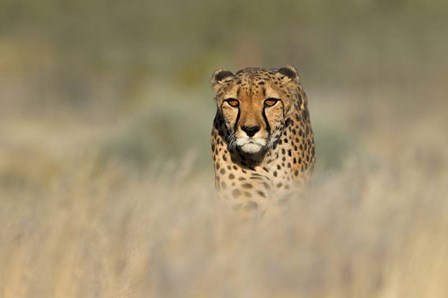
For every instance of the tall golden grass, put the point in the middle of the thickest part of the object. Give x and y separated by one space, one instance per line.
106 182
374 224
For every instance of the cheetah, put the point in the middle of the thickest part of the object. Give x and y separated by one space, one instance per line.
262 142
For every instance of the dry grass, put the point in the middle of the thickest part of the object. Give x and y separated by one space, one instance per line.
74 225
100 198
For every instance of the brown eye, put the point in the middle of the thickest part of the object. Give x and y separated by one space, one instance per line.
270 102
233 102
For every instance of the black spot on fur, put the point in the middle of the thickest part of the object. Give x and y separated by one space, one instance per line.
261 194
267 186
236 193
250 206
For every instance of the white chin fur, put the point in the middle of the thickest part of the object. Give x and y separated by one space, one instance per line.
252 146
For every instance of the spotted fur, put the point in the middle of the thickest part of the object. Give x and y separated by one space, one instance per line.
262 141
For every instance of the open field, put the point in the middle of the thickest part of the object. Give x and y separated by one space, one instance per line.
106 179
374 223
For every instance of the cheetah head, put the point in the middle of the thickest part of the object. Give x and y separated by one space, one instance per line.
255 104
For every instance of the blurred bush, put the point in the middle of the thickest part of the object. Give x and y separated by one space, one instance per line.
141 68
84 51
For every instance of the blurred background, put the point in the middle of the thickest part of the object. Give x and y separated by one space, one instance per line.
105 108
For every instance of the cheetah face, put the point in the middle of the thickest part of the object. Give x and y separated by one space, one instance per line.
250 121
255 104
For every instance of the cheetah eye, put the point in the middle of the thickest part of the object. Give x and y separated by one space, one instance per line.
270 102
233 102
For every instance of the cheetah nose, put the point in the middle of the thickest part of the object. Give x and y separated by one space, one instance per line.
250 130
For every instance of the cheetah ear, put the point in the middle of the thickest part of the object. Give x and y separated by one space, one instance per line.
221 77
290 72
